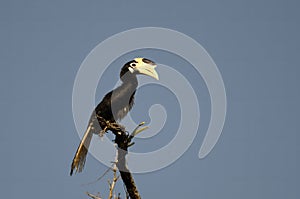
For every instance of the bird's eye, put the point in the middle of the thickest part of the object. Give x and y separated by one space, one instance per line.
133 64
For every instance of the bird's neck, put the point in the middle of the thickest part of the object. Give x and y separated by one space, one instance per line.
130 83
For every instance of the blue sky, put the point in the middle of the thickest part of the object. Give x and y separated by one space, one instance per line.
255 45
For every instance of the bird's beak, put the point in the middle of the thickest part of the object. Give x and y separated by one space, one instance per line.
146 67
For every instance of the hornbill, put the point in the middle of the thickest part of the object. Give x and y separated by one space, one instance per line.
114 106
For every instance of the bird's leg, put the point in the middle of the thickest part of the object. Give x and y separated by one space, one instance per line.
108 125
115 127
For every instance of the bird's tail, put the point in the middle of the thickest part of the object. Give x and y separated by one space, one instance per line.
80 155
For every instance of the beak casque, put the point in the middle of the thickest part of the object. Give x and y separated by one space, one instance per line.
146 68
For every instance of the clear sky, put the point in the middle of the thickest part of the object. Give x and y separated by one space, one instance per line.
255 45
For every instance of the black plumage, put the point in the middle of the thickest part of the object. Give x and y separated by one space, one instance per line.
114 106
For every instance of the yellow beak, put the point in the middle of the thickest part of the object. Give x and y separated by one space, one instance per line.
146 68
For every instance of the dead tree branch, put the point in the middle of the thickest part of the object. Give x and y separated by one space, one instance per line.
93 196
113 183
123 140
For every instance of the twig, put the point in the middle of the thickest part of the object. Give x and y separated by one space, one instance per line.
93 196
112 185
99 178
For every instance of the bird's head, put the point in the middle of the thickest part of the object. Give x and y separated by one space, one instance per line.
139 66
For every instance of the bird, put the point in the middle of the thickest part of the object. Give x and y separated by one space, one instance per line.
114 106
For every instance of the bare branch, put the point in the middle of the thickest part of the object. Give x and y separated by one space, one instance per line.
123 141
93 196
112 185
99 178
